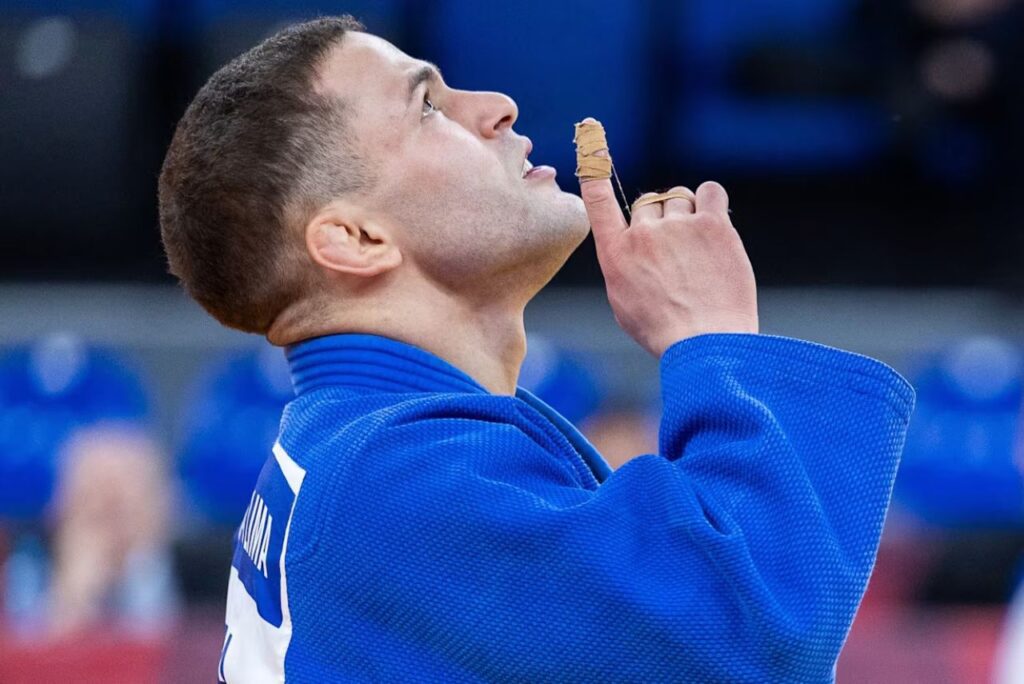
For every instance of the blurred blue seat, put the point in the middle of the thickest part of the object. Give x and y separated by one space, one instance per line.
718 127
755 136
225 29
560 62
561 379
378 14
959 467
134 12
47 390
72 76
229 426
712 34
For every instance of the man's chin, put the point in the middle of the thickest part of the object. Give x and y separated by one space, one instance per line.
573 230
560 223
580 223
569 204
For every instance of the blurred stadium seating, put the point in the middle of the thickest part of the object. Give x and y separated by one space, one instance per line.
775 98
724 123
960 468
561 379
47 390
220 30
76 67
228 428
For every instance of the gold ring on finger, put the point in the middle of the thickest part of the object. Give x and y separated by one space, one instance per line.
663 196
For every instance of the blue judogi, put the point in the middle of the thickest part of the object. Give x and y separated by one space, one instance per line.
411 526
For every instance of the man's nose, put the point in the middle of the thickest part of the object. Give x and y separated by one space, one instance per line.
495 112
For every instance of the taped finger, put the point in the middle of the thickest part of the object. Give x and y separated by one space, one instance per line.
648 205
680 200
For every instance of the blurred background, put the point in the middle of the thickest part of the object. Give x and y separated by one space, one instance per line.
872 152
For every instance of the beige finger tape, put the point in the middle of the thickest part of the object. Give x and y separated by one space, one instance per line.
590 139
664 196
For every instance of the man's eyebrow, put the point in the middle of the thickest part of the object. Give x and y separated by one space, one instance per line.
428 72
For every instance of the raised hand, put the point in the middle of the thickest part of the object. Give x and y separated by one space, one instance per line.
678 270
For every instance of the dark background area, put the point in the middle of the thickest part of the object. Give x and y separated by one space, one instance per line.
863 142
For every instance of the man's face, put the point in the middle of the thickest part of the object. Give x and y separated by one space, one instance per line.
451 172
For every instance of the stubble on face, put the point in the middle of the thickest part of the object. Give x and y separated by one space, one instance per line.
459 206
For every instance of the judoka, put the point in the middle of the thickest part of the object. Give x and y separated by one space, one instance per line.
419 517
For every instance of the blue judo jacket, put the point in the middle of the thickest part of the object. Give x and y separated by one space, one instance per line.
410 526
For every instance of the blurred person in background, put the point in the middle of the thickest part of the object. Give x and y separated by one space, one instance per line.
1009 659
421 517
228 423
619 435
111 560
567 383
949 72
230 420
48 389
564 381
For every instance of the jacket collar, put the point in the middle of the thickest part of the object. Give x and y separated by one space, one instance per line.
380 364
375 363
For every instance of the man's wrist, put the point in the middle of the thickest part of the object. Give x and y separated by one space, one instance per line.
733 327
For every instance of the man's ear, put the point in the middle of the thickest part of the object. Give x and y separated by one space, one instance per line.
341 239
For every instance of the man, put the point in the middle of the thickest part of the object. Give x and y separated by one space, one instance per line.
422 520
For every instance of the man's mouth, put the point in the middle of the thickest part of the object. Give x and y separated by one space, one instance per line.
530 171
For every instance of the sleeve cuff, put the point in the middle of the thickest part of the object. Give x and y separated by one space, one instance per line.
808 360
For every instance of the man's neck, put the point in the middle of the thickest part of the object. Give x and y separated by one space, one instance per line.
486 341
488 344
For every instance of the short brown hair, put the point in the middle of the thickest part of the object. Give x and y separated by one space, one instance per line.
257 144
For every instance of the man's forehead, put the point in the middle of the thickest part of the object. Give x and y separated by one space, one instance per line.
364 63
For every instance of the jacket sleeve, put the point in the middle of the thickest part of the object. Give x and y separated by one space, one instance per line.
738 553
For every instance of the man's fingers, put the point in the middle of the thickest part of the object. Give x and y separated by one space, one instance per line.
712 197
647 211
602 206
681 205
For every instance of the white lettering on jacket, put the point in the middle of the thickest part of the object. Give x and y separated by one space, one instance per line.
254 533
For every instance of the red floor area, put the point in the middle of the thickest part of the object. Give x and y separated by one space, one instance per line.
909 646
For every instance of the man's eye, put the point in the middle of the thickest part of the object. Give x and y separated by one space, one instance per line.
428 106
